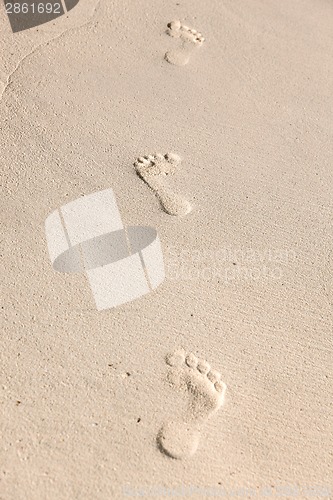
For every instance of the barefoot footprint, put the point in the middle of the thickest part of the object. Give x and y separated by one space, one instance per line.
180 439
190 38
152 169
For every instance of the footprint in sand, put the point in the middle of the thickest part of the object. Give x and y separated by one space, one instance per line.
190 38
180 439
152 169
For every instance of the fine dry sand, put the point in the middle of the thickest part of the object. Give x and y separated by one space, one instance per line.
219 382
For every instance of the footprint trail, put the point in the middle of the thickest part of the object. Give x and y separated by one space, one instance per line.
190 39
206 391
152 169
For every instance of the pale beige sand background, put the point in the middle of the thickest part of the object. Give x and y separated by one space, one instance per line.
251 116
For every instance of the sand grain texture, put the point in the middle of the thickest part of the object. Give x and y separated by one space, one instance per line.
84 392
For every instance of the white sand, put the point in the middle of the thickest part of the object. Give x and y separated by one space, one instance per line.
85 393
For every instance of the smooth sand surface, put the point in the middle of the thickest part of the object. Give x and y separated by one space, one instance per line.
249 271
